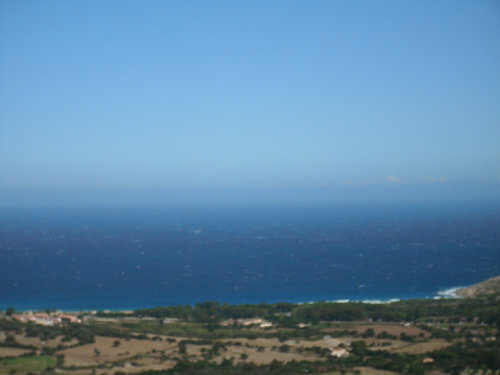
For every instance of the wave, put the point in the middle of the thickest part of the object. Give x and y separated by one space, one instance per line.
448 293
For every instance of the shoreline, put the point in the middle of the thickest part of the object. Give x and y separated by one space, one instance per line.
448 293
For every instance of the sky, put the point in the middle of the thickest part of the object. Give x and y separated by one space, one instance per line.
158 101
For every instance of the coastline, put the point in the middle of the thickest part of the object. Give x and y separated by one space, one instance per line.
171 339
448 293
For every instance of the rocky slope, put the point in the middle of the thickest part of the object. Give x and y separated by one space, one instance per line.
490 286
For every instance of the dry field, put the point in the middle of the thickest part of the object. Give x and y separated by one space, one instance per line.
392 329
267 356
128 368
372 371
12 352
160 352
38 343
395 346
268 343
86 355
423 347
140 355
269 350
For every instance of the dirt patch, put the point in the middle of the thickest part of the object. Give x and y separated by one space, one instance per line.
13 352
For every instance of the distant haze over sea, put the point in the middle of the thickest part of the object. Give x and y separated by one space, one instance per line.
118 257
389 191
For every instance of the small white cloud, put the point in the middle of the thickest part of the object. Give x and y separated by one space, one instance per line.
392 179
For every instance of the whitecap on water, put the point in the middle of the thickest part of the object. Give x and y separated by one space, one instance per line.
448 293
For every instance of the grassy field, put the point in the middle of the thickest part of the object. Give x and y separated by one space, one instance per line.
32 364
191 329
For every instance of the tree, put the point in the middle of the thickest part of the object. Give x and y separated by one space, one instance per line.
60 360
368 333
9 311
284 348
10 339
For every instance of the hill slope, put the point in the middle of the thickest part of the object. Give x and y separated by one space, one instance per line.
490 286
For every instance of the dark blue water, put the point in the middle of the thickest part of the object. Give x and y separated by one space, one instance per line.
117 258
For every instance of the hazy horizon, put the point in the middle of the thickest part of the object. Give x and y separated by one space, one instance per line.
157 102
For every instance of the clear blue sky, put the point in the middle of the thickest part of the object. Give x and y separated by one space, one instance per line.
249 99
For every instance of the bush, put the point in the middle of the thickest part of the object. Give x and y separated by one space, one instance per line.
284 348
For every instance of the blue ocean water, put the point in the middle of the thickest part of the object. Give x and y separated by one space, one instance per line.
131 257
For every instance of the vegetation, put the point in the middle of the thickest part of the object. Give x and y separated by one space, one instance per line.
483 309
467 331
28 364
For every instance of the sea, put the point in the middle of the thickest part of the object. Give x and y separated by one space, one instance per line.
128 257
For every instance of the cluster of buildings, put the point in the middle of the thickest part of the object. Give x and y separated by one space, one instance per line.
261 323
46 319
339 352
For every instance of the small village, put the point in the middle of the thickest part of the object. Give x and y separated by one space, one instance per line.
47 319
